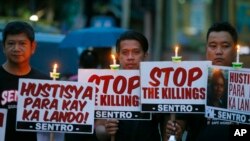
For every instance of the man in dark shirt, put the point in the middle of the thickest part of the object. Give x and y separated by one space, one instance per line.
18 46
221 50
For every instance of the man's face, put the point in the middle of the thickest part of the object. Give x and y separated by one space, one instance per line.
18 48
220 48
130 54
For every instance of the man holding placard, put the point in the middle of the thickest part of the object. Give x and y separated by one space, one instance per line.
18 46
132 48
221 50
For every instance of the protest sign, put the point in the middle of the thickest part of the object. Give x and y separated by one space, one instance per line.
55 106
3 117
174 87
228 97
117 93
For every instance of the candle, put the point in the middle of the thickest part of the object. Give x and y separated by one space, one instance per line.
114 66
54 68
238 54
54 74
113 57
176 58
176 51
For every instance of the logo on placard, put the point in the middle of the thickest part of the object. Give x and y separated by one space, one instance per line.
210 113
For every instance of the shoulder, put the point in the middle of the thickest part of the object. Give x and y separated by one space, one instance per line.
4 74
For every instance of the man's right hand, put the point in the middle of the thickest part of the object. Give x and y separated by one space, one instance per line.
111 126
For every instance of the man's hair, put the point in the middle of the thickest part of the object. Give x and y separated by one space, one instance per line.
133 35
17 27
224 26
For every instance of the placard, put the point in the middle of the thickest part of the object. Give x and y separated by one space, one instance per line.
228 97
55 106
117 93
174 87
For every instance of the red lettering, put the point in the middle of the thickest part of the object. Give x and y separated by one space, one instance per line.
27 101
134 82
193 74
69 117
30 115
180 71
123 85
167 74
155 72
180 76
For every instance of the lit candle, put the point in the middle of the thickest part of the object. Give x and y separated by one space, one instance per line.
176 58
237 64
54 74
114 66
238 54
54 68
114 61
176 51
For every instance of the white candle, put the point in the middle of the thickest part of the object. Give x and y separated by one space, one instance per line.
176 51
54 68
114 61
54 74
238 54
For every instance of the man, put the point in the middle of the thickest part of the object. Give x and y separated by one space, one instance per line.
18 46
221 50
132 48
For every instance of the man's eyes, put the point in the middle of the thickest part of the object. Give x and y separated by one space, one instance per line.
222 46
124 52
133 52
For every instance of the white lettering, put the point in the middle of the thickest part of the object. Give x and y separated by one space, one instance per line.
175 108
239 132
54 127
113 114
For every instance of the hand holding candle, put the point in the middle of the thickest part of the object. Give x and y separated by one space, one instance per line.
114 66
176 58
54 74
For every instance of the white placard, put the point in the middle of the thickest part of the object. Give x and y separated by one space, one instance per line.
174 87
233 104
55 106
117 93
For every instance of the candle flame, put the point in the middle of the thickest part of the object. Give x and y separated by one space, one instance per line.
238 48
176 51
55 67
113 57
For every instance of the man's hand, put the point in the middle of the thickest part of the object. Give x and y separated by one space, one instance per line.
111 126
175 128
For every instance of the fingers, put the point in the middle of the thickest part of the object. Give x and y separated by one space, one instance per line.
111 126
173 128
